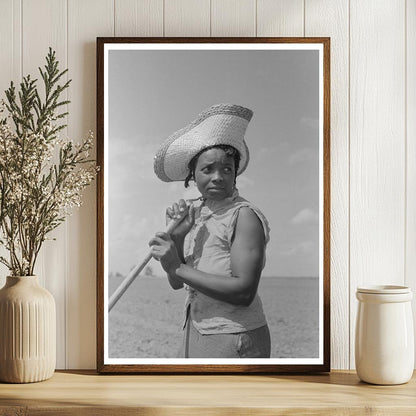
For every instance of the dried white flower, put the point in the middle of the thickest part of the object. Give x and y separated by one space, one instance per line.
42 176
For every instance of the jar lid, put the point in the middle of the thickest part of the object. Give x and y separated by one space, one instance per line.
384 289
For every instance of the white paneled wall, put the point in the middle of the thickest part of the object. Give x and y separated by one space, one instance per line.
331 18
377 144
373 132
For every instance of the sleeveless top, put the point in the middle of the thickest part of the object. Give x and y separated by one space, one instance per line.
207 248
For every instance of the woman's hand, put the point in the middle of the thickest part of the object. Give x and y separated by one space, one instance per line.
179 211
164 249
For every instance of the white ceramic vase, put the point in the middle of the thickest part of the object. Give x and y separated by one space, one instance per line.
27 331
384 340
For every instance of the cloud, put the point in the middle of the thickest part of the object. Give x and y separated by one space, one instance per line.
305 216
135 149
264 154
310 122
128 240
176 187
130 167
178 191
302 248
129 229
243 182
303 155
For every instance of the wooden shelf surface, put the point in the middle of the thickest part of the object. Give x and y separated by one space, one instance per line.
87 393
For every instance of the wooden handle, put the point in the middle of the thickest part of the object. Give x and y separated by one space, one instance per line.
136 271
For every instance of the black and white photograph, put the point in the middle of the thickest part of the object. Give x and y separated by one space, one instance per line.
213 205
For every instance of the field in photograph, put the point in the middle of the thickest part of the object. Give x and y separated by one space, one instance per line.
147 320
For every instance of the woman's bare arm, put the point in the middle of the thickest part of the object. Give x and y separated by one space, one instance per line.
175 282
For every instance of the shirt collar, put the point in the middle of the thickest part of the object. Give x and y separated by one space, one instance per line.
214 205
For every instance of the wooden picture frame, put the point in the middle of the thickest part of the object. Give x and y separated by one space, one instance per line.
147 88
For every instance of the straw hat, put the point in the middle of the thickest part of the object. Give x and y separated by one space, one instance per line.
219 124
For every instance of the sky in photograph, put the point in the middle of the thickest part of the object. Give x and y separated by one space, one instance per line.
154 93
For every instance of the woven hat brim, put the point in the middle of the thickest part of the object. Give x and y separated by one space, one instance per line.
172 159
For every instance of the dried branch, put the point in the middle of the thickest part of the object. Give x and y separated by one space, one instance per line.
36 193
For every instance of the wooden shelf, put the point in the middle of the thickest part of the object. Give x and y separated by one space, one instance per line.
87 393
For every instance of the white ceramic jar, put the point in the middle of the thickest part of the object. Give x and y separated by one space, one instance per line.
384 338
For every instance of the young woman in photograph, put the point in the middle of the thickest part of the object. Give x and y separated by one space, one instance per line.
217 251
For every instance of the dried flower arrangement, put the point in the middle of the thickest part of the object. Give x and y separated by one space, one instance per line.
42 176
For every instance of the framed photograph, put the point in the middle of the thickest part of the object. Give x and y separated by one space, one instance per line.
213 230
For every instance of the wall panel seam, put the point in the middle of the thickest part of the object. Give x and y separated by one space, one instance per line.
349 185
210 18
21 40
66 222
304 18
405 144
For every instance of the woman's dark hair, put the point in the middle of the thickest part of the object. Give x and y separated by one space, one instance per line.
230 151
